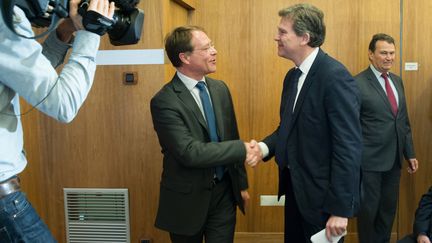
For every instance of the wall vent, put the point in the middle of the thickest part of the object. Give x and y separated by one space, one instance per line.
96 215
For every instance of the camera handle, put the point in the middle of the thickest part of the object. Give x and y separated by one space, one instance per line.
96 23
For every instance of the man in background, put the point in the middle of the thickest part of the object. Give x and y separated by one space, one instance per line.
317 145
27 71
204 177
387 140
422 228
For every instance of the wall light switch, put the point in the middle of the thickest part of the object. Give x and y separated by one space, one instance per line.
130 78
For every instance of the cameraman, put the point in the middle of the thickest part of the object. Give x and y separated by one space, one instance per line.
27 70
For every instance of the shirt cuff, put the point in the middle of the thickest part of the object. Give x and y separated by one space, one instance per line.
86 43
264 149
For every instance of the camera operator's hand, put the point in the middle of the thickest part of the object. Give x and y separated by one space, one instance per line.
103 7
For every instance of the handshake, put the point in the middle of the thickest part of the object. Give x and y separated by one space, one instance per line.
253 153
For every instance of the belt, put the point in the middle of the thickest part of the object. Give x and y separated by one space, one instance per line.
9 186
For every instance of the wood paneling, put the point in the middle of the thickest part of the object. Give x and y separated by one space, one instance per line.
416 48
111 143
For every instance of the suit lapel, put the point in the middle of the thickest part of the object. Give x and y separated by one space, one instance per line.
184 95
216 97
373 81
310 78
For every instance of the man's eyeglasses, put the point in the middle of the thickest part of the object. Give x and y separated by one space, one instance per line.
207 48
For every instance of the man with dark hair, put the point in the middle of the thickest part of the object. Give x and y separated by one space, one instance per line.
387 140
317 145
203 178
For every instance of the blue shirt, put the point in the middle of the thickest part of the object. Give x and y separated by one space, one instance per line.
27 71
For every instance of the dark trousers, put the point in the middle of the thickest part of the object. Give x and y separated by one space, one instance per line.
407 239
380 191
221 218
297 230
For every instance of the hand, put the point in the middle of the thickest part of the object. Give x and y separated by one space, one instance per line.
246 197
412 165
253 153
423 239
336 226
104 7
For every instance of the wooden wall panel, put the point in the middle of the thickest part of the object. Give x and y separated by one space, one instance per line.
416 48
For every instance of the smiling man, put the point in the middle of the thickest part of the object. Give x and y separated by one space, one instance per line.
204 177
387 140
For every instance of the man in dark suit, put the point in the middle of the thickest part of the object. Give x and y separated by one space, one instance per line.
318 142
423 221
203 176
386 140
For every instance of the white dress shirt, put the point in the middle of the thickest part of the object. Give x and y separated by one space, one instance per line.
382 82
190 84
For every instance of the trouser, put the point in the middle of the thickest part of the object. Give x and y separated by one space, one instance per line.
19 221
380 191
220 224
297 230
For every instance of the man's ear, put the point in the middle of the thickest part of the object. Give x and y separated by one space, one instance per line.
184 57
306 39
370 54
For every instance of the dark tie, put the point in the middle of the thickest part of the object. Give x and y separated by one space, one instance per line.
281 147
390 95
211 121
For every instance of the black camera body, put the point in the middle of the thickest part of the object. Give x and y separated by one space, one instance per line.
127 24
125 29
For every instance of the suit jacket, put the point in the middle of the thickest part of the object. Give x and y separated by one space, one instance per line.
189 158
423 219
384 135
423 215
324 142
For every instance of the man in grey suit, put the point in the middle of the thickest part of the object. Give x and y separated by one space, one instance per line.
387 140
203 176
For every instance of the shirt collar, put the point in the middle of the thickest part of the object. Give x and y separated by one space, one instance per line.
306 65
190 83
376 72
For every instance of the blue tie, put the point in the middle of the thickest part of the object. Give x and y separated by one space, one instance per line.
290 85
211 121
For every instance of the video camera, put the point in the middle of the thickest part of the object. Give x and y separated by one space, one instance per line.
124 29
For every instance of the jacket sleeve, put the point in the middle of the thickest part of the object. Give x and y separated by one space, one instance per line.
180 136
423 214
